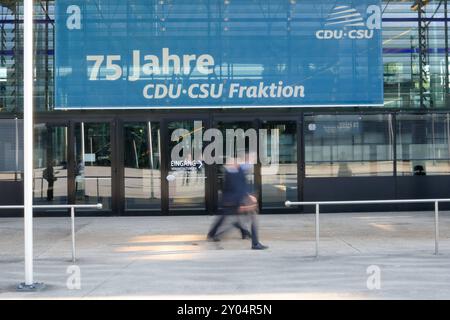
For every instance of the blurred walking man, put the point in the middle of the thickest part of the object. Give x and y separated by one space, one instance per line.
238 200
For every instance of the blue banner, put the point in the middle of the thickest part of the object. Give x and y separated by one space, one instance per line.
118 54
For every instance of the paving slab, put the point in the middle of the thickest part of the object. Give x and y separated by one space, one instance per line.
388 255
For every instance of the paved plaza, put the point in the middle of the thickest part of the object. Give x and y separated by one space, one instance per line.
169 258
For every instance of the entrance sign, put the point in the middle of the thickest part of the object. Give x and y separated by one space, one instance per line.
119 54
186 165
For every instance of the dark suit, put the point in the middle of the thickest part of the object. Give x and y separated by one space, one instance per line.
235 188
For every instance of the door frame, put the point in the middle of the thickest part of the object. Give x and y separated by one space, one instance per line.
120 132
56 123
165 159
63 119
298 119
257 122
114 210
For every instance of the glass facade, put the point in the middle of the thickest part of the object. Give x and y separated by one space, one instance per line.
400 54
122 158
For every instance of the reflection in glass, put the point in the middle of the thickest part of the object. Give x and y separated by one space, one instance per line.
423 144
93 164
142 166
186 182
401 56
50 164
348 145
279 182
11 149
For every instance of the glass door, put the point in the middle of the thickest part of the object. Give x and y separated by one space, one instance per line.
142 166
234 133
274 173
93 160
279 163
50 164
186 172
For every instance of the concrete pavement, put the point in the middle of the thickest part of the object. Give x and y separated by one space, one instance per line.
168 258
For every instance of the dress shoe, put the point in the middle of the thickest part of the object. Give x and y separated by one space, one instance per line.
212 239
259 246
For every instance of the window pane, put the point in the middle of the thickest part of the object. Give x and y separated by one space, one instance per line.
142 166
187 183
11 149
423 144
279 177
231 132
348 145
93 164
50 164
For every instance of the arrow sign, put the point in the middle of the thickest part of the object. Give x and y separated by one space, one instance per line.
184 165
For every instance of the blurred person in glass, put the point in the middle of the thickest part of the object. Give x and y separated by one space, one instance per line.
49 174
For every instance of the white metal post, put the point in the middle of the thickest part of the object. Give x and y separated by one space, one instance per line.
317 229
150 144
436 228
83 151
17 150
28 140
72 218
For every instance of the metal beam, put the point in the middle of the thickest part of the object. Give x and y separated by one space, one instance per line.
425 101
10 4
447 81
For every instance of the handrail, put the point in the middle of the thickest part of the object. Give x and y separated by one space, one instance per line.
72 208
57 206
400 201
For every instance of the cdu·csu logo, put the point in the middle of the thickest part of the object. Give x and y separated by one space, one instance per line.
345 22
